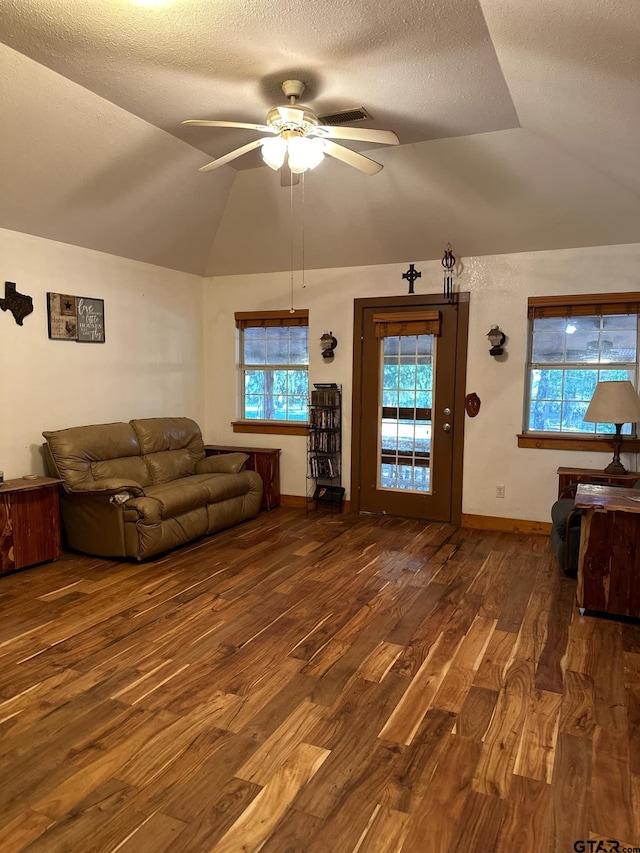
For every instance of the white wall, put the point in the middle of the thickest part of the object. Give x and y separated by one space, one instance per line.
149 366
499 287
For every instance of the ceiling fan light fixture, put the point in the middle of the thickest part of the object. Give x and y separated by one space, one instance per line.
274 151
304 153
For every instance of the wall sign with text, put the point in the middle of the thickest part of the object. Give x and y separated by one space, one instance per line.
75 318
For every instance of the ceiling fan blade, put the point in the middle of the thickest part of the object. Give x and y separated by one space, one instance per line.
245 124
293 114
352 158
237 152
361 134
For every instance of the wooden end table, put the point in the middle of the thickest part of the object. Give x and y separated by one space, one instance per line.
609 560
29 522
566 476
265 461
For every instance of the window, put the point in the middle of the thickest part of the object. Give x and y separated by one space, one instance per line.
575 342
274 364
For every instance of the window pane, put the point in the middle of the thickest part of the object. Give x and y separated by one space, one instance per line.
545 416
254 346
254 406
548 347
572 417
277 349
580 384
254 382
546 384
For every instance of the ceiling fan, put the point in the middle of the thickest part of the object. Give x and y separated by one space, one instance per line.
298 137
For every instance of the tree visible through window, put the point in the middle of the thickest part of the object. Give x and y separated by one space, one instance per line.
570 351
274 360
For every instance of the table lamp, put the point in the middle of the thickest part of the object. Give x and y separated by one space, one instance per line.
614 403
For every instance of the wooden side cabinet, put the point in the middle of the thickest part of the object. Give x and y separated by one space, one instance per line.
265 461
609 560
29 522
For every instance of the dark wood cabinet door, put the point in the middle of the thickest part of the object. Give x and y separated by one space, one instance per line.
29 523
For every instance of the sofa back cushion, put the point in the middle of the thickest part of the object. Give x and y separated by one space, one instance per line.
171 447
85 454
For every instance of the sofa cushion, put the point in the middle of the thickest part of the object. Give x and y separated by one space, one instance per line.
227 463
88 453
171 447
170 499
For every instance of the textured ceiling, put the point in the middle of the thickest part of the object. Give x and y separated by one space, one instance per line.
519 126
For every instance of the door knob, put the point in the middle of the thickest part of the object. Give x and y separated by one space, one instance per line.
446 427
447 411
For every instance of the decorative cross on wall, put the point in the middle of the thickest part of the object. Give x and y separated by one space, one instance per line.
411 275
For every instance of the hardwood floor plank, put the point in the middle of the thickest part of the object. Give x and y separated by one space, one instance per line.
259 820
386 833
479 824
502 740
611 797
156 835
497 656
418 762
577 708
536 754
24 828
527 822
432 824
477 712
570 791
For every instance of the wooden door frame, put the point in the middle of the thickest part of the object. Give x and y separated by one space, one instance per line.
416 301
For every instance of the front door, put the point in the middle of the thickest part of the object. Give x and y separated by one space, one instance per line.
410 365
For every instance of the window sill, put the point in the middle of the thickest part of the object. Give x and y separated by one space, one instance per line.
271 427
599 444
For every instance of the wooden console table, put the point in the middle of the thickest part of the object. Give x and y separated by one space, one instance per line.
264 460
29 522
609 560
566 476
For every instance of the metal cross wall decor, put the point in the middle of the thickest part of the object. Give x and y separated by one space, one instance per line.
448 262
411 275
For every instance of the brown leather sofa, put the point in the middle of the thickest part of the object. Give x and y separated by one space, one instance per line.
140 488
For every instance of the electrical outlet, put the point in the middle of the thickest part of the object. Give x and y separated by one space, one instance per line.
499 491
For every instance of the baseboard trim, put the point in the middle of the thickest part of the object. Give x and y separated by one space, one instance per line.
508 525
293 501
300 502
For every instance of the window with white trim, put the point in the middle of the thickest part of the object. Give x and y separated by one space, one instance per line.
274 365
574 343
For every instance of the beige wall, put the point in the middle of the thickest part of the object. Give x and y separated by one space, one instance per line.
150 365
170 349
499 287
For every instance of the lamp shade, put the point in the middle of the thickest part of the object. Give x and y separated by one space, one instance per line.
614 403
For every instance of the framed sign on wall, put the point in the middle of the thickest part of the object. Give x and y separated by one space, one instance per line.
75 318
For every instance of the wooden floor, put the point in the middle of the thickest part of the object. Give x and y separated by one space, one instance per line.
317 685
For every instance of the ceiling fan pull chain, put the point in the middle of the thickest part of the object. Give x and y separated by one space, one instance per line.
303 281
291 309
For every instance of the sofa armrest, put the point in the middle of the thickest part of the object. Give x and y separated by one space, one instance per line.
225 463
108 487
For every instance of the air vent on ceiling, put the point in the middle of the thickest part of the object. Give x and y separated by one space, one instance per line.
346 116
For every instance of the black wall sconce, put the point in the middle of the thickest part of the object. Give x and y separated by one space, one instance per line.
496 338
328 343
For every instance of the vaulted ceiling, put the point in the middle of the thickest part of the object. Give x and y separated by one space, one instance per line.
519 126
